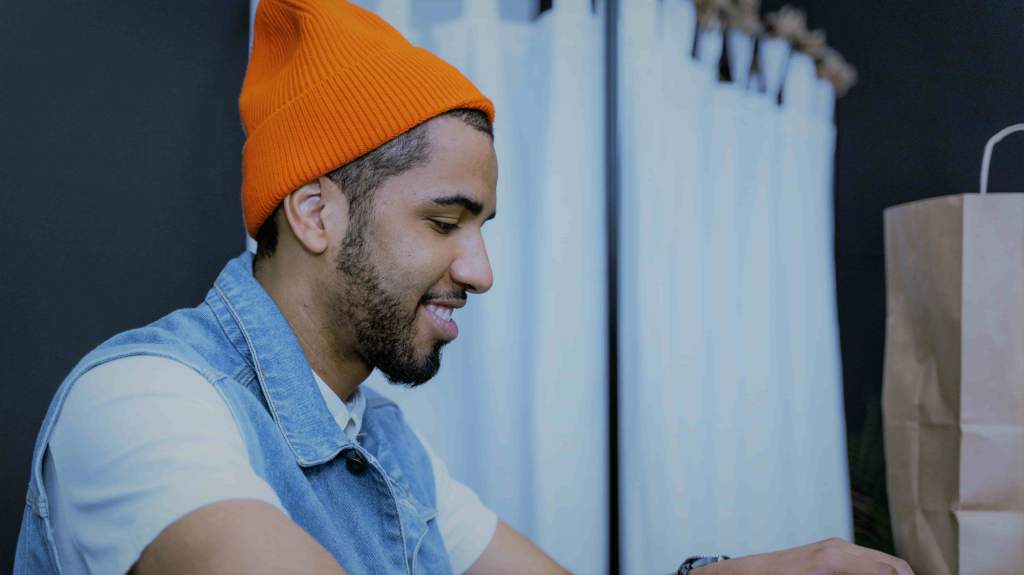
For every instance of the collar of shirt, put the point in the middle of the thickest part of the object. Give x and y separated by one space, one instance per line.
348 414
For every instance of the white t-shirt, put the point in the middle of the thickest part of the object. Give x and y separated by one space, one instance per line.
143 441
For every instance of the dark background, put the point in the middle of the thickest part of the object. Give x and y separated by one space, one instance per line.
120 175
120 150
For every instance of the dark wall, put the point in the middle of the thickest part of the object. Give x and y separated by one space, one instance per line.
120 163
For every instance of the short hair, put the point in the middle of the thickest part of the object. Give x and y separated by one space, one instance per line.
359 178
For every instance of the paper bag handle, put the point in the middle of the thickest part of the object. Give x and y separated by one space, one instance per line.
987 158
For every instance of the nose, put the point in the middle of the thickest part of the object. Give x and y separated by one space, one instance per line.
472 268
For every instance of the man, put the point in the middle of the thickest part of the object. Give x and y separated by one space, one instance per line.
234 437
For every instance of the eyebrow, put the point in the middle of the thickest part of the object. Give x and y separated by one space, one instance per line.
470 204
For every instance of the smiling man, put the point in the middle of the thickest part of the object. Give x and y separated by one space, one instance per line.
234 437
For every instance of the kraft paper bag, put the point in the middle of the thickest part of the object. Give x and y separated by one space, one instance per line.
953 393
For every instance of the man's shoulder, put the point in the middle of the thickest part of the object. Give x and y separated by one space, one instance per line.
176 359
150 369
137 382
184 338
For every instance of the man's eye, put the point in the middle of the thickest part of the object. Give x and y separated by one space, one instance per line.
445 227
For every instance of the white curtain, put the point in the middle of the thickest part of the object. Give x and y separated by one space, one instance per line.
731 415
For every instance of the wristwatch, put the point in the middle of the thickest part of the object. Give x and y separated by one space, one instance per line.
699 561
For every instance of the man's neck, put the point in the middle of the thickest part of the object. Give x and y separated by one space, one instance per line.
342 372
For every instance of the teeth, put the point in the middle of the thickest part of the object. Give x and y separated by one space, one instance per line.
441 312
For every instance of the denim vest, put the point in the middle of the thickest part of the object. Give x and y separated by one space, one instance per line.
371 504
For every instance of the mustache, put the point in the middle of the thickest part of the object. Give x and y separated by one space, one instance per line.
456 295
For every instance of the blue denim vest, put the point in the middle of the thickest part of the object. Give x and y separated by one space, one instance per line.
371 504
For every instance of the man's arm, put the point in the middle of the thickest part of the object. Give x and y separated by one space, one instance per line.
510 552
240 536
833 556
150 469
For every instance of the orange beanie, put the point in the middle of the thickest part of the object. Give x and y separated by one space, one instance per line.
328 82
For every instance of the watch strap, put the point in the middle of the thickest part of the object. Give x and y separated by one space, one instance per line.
699 561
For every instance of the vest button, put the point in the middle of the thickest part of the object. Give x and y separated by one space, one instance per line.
354 462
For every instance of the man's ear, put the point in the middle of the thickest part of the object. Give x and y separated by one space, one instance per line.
303 210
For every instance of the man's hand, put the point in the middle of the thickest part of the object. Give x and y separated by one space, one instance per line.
828 557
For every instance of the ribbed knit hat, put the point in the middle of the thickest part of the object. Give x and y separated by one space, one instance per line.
328 82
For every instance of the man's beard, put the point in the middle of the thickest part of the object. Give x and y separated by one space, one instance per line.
384 332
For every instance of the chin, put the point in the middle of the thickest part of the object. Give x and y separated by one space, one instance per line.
428 363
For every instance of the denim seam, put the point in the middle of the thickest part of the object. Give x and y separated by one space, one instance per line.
31 500
394 500
223 327
419 543
243 375
258 369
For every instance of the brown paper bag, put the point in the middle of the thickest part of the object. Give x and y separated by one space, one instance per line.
953 395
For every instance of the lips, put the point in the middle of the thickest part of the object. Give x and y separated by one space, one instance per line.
439 312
